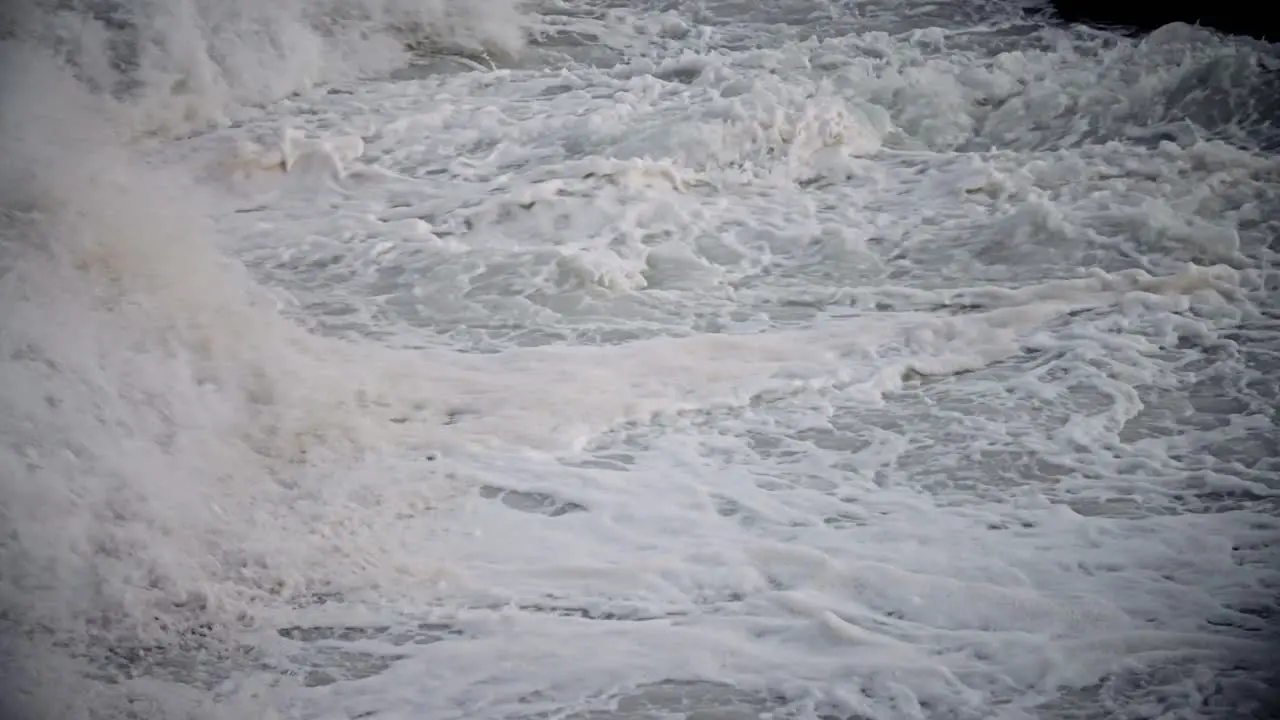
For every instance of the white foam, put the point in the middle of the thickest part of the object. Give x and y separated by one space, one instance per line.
191 62
775 389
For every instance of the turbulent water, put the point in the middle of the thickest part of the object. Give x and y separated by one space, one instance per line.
705 359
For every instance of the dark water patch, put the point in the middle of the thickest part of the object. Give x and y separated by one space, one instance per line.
419 634
618 615
321 663
200 657
615 461
425 67
1232 17
531 502
1167 691
686 699
841 521
326 666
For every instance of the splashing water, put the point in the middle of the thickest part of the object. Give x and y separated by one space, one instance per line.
889 361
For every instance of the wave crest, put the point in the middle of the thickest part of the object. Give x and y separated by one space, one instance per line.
175 65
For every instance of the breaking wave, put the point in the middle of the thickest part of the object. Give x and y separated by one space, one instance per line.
154 402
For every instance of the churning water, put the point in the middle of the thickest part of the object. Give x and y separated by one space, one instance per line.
706 359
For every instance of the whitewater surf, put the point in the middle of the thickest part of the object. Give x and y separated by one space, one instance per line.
432 360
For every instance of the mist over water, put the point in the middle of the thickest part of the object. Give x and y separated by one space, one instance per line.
178 66
601 360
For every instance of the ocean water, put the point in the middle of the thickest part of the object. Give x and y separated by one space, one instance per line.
593 359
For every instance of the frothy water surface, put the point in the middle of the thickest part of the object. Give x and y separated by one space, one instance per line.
635 360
